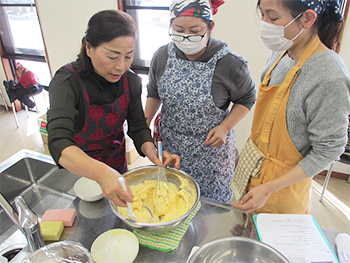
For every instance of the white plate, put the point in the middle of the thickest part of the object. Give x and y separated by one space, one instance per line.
116 245
88 190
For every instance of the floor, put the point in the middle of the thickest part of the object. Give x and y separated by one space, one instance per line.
333 213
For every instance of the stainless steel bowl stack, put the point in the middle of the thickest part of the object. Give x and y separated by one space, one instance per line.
139 175
237 249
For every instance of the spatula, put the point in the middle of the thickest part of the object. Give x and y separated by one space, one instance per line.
129 210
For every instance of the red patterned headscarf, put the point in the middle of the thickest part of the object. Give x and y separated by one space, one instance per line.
198 8
215 5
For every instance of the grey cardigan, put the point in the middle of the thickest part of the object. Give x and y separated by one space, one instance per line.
318 107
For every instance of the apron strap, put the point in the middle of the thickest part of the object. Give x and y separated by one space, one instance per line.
287 83
267 77
80 81
171 50
125 84
219 55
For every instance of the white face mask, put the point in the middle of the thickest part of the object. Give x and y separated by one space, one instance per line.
190 48
273 36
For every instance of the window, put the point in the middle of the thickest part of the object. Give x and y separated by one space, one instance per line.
21 37
152 19
22 42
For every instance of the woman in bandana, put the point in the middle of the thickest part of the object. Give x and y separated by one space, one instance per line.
195 78
301 115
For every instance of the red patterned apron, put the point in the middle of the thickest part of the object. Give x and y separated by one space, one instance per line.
102 136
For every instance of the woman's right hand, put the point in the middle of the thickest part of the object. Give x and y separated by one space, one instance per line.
78 162
112 189
254 199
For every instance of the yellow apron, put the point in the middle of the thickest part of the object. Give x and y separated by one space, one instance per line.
270 134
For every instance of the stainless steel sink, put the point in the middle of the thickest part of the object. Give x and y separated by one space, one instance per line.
40 182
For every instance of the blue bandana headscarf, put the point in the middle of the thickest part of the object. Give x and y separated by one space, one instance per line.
320 6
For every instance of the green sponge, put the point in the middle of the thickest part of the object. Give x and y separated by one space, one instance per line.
51 230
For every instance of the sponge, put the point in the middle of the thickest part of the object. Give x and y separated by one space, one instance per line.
51 231
67 216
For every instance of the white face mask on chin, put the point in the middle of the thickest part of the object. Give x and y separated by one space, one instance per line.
191 48
273 35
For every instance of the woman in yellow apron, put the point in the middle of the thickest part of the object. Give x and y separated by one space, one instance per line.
301 116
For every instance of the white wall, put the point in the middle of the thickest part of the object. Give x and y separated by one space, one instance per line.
237 22
345 47
63 25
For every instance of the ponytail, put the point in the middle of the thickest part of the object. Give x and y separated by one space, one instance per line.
329 28
83 64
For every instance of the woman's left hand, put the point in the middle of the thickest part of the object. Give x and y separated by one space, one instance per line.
216 136
254 199
171 159
150 151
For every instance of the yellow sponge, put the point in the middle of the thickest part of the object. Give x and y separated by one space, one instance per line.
51 230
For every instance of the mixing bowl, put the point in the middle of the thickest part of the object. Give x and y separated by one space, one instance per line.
139 175
88 190
237 249
64 251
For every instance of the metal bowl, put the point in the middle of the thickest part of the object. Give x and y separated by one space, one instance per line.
237 249
64 251
139 175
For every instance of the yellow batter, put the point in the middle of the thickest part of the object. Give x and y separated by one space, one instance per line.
164 206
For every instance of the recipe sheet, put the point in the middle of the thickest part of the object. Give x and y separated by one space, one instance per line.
297 237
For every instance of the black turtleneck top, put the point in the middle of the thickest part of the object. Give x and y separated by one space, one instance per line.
67 108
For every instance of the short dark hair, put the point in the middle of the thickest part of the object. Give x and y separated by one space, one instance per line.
103 27
327 24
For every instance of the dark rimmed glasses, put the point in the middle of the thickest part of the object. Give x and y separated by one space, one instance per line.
191 38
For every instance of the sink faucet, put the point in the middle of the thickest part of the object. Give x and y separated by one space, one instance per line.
26 220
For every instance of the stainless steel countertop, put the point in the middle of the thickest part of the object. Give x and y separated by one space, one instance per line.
212 221
52 188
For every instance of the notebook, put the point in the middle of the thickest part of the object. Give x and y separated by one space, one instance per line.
297 237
